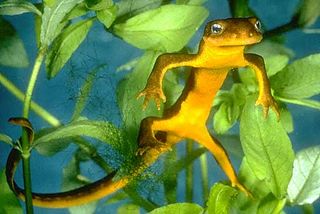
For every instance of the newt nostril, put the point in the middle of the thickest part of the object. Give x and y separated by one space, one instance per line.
250 34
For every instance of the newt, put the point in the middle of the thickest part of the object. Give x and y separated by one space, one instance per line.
220 50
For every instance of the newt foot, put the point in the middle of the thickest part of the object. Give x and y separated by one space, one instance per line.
152 92
266 102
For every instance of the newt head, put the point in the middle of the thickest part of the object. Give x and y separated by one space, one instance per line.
233 32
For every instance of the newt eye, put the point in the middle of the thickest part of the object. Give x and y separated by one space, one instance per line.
257 25
216 28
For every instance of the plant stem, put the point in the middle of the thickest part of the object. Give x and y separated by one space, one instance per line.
204 176
25 141
189 173
303 102
44 114
293 24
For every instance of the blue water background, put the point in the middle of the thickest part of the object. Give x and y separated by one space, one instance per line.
58 95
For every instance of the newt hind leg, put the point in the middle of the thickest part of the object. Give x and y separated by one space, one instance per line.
220 155
153 135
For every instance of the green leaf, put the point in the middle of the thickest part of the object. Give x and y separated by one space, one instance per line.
12 52
16 7
267 147
6 139
191 2
309 12
128 209
64 46
73 179
303 102
127 92
53 14
224 118
85 91
128 9
220 199
52 147
79 10
167 28
98 4
275 63
9 203
185 208
100 130
107 16
304 187
271 205
286 119
298 80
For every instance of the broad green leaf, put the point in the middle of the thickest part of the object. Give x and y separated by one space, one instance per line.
65 45
127 92
303 102
275 63
100 130
267 147
16 7
167 28
84 92
128 209
107 16
52 147
185 208
269 48
271 205
220 199
304 187
12 52
6 139
9 203
223 118
72 180
309 12
286 119
53 14
299 79
129 8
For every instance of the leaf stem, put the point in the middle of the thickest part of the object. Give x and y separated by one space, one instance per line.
303 102
25 141
44 114
204 176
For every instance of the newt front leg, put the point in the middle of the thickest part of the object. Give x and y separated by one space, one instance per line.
265 98
164 62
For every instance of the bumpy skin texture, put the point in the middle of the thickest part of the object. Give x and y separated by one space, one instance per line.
221 49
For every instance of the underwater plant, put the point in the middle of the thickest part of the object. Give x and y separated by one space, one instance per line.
276 175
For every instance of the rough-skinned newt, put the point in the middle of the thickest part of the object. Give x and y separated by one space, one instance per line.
221 49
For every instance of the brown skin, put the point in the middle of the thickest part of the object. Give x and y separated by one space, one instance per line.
221 49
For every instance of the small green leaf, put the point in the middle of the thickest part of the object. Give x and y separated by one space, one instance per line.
12 52
16 7
100 130
79 10
127 92
107 16
98 4
9 203
6 139
267 147
167 28
222 121
53 14
52 147
84 92
304 187
128 209
309 12
271 205
220 199
185 208
286 119
299 79
64 46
